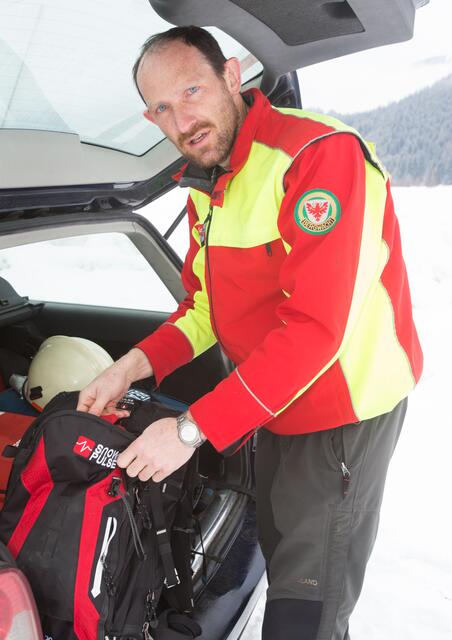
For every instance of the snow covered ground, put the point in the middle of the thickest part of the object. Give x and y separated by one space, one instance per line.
408 589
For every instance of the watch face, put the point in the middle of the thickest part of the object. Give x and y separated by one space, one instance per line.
189 432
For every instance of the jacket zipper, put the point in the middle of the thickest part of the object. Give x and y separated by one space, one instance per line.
208 221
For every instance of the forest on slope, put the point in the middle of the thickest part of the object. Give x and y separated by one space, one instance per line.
413 136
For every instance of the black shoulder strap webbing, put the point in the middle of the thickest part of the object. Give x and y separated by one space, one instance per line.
182 538
162 535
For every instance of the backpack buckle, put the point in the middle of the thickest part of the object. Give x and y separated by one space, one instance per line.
174 584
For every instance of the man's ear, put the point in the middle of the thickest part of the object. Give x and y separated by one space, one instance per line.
232 75
148 116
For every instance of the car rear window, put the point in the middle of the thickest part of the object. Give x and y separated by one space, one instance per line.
66 66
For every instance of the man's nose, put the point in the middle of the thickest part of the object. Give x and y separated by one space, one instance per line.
184 119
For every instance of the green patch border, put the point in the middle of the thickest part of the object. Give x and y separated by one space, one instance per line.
297 208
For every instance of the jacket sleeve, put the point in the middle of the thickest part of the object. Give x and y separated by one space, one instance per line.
188 331
318 278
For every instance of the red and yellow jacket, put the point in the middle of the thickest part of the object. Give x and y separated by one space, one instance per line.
295 268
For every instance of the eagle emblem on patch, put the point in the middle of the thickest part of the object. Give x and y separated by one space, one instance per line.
317 211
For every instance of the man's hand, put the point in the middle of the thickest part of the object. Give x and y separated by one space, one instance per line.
102 394
156 453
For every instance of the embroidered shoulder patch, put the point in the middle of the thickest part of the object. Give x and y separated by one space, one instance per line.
317 211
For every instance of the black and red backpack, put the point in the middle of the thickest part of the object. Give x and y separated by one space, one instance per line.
94 544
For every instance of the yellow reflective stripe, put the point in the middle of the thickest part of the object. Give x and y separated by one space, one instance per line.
372 259
195 324
287 246
374 364
373 253
339 126
202 203
249 217
288 249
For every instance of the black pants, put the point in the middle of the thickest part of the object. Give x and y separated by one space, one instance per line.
318 505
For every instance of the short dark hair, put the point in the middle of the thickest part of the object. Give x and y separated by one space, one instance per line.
191 35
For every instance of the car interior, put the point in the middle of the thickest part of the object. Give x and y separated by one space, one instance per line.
25 324
222 500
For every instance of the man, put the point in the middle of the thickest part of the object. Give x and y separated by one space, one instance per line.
295 268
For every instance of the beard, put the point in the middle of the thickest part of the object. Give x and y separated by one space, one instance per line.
222 137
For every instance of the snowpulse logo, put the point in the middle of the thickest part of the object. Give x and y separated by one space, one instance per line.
317 211
98 453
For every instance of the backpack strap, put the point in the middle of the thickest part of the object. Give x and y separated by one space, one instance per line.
175 626
182 536
162 536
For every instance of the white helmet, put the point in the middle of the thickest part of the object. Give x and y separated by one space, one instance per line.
63 363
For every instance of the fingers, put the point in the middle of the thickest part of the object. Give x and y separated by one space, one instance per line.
84 401
111 408
96 399
103 391
157 477
128 456
136 464
92 401
137 467
98 406
83 406
156 453
146 474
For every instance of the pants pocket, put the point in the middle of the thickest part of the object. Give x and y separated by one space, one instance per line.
346 445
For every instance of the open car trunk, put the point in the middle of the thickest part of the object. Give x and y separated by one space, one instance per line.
226 538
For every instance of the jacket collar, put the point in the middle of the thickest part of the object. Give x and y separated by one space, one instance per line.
190 175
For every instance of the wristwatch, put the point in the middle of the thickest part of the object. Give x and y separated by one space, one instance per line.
189 433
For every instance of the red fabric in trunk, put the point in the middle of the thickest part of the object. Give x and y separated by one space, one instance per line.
12 428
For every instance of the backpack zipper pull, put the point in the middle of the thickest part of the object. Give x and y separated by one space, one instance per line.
141 553
145 630
142 511
114 487
151 611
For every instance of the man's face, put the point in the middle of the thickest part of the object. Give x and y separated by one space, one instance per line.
194 107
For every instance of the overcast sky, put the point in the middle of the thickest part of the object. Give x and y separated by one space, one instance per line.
379 76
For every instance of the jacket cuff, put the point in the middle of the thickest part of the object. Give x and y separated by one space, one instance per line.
167 349
228 413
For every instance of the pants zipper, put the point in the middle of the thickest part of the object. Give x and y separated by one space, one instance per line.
346 475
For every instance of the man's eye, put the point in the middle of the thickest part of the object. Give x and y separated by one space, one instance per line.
192 90
161 108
